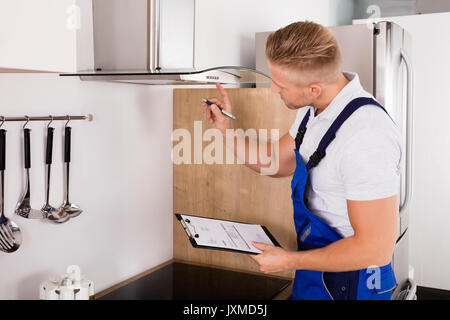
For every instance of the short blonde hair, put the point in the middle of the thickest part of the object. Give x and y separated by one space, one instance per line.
308 48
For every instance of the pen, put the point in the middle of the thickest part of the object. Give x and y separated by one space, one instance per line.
229 115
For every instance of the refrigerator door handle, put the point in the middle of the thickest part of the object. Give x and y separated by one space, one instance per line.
409 132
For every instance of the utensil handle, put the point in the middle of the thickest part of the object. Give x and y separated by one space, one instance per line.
49 148
2 149
67 138
26 145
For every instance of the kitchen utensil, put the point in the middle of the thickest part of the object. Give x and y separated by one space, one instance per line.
71 209
47 210
10 234
23 208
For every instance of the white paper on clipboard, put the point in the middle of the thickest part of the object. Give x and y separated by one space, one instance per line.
225 234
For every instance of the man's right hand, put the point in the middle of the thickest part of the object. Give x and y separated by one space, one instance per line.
213 114
284 155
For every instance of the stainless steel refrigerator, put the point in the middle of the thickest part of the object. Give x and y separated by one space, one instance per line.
379 54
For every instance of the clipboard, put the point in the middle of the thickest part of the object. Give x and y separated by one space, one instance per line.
226 235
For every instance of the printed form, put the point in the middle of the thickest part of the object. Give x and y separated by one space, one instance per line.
225 234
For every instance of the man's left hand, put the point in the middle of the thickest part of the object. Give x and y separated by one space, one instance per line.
272 259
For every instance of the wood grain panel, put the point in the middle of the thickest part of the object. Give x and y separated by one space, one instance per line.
231 191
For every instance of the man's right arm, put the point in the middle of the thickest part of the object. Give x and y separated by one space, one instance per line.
287 160
281 153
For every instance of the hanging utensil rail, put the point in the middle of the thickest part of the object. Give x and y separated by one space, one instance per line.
89 117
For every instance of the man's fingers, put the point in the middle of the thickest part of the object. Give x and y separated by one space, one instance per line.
216 111
257 258
209 115
224 95
216 101
261 246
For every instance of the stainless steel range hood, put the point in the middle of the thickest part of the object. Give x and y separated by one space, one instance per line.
153 42
226 75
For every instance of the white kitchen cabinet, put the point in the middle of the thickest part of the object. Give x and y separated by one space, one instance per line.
46 35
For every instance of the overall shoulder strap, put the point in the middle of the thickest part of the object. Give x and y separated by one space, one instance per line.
302 130
329 136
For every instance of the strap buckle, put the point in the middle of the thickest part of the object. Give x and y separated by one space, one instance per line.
299 137
316 157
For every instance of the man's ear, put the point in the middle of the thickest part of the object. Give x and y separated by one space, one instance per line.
315 90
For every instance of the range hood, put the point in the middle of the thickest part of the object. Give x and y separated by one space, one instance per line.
226 75
153 42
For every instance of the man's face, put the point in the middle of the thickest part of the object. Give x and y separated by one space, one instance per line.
293 95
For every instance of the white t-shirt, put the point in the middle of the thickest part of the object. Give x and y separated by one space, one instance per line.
361 163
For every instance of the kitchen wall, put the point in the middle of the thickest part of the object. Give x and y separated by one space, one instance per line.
121 162
341 12
392 8
433 6
225 30
120 175
386 8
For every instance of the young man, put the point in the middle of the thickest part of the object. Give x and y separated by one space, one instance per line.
344 151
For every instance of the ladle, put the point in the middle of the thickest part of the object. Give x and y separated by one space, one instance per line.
48 211
71 209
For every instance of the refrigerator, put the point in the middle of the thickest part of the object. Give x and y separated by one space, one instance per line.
379 53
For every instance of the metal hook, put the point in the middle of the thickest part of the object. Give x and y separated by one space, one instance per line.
51 120
3 121
68 117
28 120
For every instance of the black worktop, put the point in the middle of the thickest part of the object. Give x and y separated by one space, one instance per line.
181 281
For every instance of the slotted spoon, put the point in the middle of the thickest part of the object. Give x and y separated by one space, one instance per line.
23 208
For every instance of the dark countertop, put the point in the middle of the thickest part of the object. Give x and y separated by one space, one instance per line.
183 281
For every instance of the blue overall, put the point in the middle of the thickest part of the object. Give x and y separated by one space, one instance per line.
312 232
